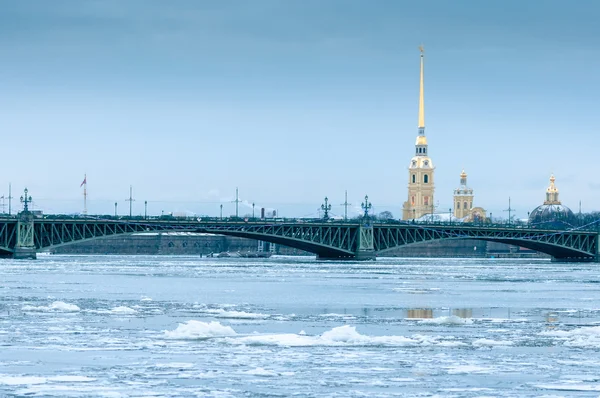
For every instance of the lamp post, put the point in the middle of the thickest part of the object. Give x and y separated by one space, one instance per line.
145 209
26 199
326 207
115 209
221 211
366 206
450 214
491 218
253 204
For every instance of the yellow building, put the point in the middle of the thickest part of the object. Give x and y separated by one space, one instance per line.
420 170
463 202
463 198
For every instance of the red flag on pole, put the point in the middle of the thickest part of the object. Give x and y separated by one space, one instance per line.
84 181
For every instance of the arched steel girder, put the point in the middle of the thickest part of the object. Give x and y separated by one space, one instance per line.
311 247
324 240
318 249
558 244
555 251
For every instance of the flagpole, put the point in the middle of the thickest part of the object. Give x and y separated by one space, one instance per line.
85 194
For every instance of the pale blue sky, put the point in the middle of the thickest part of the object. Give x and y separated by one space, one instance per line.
295 100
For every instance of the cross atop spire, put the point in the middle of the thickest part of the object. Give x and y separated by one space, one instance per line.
421 98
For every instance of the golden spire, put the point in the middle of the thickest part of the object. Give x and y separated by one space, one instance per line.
421 94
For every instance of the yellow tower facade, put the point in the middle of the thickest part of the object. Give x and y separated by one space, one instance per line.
420 170
463 198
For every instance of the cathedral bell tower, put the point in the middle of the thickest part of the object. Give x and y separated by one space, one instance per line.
463 198
420 170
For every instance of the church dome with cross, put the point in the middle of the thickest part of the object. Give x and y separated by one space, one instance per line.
552 213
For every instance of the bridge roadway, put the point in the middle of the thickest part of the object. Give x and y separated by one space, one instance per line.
23 236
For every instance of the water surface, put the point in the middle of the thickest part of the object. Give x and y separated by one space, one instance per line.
139 326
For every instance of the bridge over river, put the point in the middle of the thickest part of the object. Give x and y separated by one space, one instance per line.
25 235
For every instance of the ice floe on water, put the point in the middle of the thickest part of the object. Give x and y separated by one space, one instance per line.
569 387
220 313
584 337
345 335
491 343
261 372
228 313
468 369
198 330
334 315
29 380
337 336
122 310
56 306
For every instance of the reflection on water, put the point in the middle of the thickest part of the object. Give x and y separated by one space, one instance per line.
551 320
463 312
419 313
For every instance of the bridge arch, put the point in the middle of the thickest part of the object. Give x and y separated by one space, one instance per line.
324 240
319 249
561 245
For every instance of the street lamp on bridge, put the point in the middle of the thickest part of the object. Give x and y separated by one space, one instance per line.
26 199
366 206
326 207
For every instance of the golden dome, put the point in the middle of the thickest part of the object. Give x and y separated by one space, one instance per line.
421 140
463 174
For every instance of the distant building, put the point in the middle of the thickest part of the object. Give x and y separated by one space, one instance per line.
463 202
552 213
420 170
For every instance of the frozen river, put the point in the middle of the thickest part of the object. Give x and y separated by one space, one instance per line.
150 326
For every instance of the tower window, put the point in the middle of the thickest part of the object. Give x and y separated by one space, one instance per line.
426 200
424 150
426 179
465 205
413 200
458 205
414 178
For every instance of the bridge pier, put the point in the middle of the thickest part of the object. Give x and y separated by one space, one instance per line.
366 246
25 247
